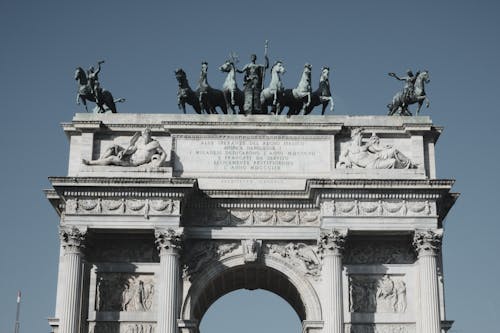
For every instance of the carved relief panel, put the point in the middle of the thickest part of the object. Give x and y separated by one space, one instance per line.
377 293
124 292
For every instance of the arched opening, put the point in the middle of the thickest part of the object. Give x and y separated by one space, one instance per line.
253 311
269 274
249 277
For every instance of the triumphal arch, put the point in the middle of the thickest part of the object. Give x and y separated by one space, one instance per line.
342 216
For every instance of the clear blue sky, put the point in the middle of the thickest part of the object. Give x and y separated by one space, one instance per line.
143 43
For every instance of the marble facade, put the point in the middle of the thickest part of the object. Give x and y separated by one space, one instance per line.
341 216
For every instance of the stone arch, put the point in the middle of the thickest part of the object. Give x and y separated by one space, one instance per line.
271 273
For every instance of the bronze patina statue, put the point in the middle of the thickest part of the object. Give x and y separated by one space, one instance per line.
413 92
254 79
90 90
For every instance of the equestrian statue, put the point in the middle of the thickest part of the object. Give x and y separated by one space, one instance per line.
90 90
413 92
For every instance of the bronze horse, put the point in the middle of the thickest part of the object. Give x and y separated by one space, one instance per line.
295 99
232 94
105 100
185 94
322 96
400 103
209 97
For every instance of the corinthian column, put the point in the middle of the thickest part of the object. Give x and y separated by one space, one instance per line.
427 244
169 243
72 241
331 245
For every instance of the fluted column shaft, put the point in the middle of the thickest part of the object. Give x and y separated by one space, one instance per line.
72 241
169 243
428 244
331 245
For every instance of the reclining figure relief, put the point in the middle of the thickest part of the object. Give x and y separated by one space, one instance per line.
142 150
372 154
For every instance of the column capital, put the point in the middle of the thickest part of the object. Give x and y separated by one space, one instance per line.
72 238
332 241
169 240
427 242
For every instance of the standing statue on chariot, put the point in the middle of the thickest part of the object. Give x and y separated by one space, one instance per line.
253 81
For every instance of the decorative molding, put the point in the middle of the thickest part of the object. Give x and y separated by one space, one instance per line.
116 327
428 242
124 292
265 217
198 254
331 242
391 207
115 206
169 240
377 293
380 328
72 238
299 255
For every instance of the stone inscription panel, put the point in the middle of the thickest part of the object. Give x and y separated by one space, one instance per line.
249 154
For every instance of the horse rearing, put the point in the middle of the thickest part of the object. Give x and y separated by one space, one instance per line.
400 103
294 98
185 94
272 95
85 94
232 94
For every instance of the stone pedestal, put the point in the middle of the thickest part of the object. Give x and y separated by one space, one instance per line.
427 244
331 243
168 242
72 241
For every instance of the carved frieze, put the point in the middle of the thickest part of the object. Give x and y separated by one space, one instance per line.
127 292
377 293
121 206
116 327
269 217
198 254
384 251
377 208
380 328
299 255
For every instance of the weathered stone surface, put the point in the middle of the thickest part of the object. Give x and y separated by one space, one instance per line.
252 202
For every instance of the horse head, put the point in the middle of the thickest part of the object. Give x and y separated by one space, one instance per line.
325 73
424 76
227 66
180 75
278 67
80 74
